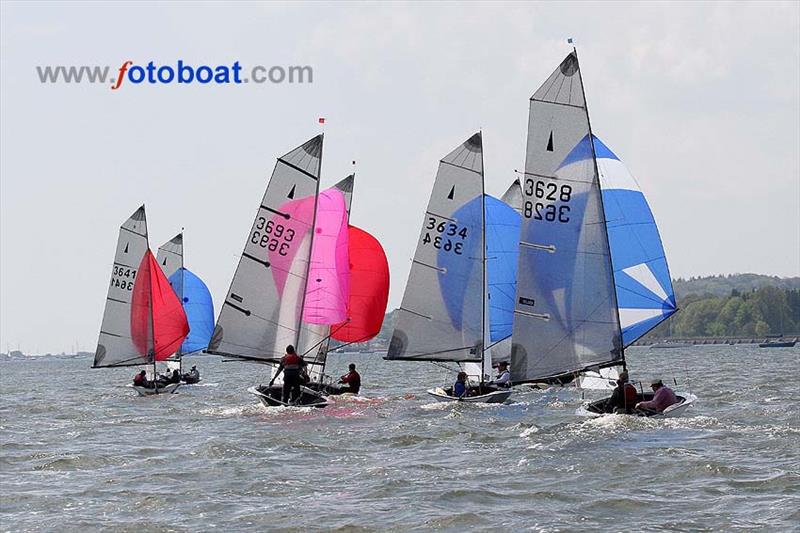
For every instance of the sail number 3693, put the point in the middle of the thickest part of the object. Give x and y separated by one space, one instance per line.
272 236
445 231
547 192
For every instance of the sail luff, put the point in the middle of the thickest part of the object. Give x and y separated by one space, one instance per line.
484 266
618 332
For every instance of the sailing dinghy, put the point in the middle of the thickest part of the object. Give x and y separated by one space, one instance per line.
265 308
143 321
592 277
443 316
196 301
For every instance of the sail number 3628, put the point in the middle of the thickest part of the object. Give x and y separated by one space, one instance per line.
445 230
547 193
272 236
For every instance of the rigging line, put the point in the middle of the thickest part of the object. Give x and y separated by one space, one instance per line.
560 86
327 337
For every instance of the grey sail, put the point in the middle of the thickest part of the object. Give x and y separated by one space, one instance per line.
513 196
115 347
442 314
315 338
261 312
565 317
170 255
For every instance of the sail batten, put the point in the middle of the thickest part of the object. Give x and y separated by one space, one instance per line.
565 309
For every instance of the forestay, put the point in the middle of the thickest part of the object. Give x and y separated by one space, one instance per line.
644 288
565 310
261 312
442 314
115 347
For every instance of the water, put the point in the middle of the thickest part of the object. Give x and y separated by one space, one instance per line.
80 451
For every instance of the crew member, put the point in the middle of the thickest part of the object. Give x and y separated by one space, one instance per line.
352 379
663 398
291 366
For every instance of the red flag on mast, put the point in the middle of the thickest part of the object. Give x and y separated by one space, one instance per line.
322 120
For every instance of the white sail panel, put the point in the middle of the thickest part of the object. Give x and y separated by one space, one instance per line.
565 310
261 312
115 347
442 313
170 255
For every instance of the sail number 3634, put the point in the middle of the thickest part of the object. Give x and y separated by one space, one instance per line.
547 193
272 236
443 240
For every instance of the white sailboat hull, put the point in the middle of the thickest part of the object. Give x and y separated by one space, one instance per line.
166 389
498 396
271 397
672 411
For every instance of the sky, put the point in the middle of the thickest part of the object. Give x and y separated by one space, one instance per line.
700 100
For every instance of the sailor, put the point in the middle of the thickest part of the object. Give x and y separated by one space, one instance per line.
460 386
663 398
624 396
352 379
503 375
176 376
193 375
140 379
291 365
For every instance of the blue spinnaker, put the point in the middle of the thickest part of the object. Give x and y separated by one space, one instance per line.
645 296
502 252
197 305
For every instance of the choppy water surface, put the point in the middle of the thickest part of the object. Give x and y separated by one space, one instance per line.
81 451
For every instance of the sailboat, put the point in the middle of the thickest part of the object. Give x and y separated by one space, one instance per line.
143 320
444 313
276 299
586 288
196 301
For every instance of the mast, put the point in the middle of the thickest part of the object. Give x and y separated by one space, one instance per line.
602 208
483 266
180 297
152 321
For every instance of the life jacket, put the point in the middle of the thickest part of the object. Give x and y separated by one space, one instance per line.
138 379
292 363
631 396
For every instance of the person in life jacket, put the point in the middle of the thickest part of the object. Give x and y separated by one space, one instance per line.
623 398
140 379
352 379
503 376
292 366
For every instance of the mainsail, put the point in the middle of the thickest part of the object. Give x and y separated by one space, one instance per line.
262 310
644 288
565 311
115 346
442 316
170 256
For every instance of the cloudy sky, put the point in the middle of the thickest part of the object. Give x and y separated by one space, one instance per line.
700 100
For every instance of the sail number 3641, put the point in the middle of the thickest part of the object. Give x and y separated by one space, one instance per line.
123 277
272 236
546 193
445 231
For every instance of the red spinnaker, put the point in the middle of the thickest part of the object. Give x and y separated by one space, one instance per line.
154 299
369 289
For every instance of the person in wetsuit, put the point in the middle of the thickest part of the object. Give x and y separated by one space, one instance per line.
352 379
623 398
292 366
